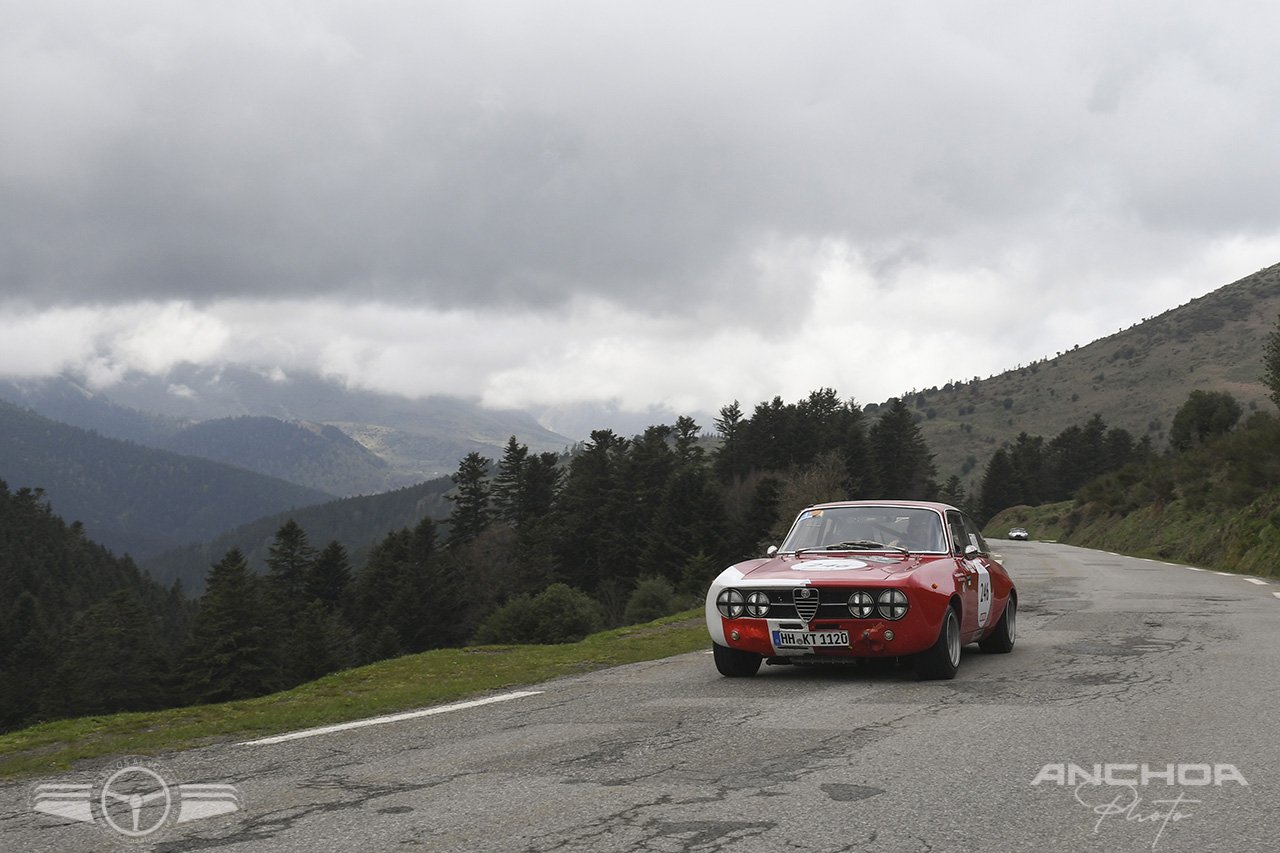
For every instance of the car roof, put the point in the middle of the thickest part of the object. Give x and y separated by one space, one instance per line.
933 505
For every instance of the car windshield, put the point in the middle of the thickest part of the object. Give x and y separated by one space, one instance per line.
867 528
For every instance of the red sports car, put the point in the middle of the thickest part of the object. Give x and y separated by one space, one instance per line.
865 579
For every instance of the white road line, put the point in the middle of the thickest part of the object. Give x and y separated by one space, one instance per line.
1258 581
1194 569
390 718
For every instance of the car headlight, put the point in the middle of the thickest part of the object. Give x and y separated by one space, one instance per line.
862 605
730 604
758 604
893 604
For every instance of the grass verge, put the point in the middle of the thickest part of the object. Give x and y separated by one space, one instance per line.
414 681
1245 541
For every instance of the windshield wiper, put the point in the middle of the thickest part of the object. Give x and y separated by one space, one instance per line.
866 545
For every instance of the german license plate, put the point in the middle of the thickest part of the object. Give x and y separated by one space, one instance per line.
810 639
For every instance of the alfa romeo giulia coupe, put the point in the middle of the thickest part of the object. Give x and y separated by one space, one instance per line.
865 579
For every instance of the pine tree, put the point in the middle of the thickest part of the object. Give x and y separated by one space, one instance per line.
322 643
757 524
406 599
27 654
689 519
688 450
470 514
330 576
290 561
999 487
1027 456
901 458
111 661
861 481
953 493
231 653
729 459
508 483
589 511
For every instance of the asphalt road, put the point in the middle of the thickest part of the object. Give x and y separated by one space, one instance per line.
1159 683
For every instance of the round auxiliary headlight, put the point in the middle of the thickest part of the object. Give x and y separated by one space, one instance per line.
893 604
729 603
758 604
862 605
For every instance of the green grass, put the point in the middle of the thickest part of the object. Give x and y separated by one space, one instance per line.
415 681
1245 541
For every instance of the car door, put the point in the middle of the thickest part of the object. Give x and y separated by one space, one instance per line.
981 562
966 574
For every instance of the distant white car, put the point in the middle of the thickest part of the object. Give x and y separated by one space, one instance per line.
1019 533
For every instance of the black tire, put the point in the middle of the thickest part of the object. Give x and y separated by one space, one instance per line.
942 659
735 663
1001 639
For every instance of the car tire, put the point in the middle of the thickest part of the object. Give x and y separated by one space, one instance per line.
942 659
735 663
1001 639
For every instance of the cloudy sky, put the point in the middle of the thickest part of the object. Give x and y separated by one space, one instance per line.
649 203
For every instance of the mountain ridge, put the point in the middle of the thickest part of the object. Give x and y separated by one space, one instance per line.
131 498
416 439
1136 378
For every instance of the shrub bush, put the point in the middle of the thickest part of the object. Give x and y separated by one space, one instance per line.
653 598
558 614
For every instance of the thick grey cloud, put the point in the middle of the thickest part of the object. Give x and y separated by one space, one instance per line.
730 166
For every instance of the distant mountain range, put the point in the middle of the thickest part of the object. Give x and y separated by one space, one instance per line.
134 499
302 428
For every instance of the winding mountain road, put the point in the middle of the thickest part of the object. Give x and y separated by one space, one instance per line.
1137 712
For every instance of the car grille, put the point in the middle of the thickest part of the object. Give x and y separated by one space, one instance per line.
805 601
825 603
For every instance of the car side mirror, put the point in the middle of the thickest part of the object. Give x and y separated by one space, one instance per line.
773 549
971 551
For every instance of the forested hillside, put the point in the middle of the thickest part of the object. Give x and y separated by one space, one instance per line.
1211 500
81 631
535 548
1136 379
318 456
357 523
134 499
1214 504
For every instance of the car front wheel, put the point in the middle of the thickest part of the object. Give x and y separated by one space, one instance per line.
735 663
942 659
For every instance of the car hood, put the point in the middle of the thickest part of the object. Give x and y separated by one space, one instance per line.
830 568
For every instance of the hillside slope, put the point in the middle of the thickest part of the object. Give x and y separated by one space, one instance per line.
1135 379
318 456
130 498
357 522
417 439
